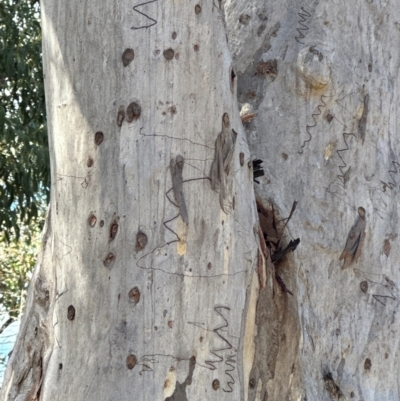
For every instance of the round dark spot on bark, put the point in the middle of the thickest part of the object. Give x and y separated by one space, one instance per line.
172 109
352 394
134 295
102 223
364 286
98 137
110 258
131 361
225 119
133 112
141 241
92 220
196 48
209 266
285 156
177 56
90 161
127 57
113 231
120 116
367 364
252 383
244 19
155 328
241 158
71 313
165 312
60 366
170 323
215 384
370 67
201 339
197 9
173 35
329 117
169 54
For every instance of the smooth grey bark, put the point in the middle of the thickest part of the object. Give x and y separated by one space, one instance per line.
128 301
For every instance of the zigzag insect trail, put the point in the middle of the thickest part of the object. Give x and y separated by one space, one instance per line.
145 15
229 361
392 184
342 177
303 18
319 108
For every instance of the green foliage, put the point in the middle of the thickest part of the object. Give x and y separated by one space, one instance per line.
24 156
17 260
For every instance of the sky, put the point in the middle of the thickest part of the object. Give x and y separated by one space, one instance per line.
7 339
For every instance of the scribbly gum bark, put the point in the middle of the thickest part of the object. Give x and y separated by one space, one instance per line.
160 277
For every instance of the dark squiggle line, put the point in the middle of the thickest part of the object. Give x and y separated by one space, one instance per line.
389 286
392 184
229 361
303 18
319 108
179 139
145 15
343 177
177 240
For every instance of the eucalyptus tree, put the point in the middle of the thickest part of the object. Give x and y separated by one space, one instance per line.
167 272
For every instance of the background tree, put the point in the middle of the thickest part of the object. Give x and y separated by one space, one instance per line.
157 274
24 158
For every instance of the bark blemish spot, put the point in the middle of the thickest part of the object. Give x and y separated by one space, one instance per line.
133 112
113 231
209 265
173 35
386 247
196 48
141 241
71 313
201 339
215 384
134 295
92 220
98 138
131 361
367 364
170 323
329 117
60 366
90 161
110 258
120 115
241 158
197 9
102 223
285 156
127 57
252 383
169 54
364 286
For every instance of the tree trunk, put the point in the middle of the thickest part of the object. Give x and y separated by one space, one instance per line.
160 277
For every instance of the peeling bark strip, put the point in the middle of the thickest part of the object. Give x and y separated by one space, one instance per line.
355 239
176 166
224 148
180 388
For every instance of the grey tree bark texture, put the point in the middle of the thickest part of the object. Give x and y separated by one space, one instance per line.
163 274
